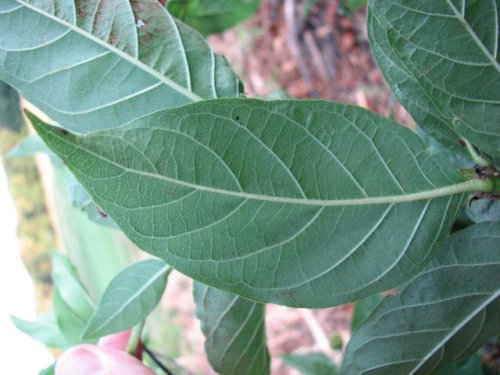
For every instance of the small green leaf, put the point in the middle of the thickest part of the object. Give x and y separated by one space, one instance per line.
450 50
89 73
129 298
49 370
72 305
352 6
212 16
99 252
311 363
70 322
484 210
70 289
362 310
268 200
234 329
81 199
44 329
444 314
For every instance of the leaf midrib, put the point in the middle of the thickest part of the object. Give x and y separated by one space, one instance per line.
134 296
459 326
134 61
473 35
467 186
466 25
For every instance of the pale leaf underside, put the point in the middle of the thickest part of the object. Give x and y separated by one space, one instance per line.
234 330
97 64
442 315
129 298
459 71
300 203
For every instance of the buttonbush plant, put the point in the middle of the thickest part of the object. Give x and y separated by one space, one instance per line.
295 202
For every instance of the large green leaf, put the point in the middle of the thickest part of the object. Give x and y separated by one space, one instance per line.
469 366
212 16
450 48
129 298
303 203
408 90
445 313
234 329
90 65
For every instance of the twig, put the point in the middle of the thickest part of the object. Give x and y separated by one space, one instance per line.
135 339
293 39
319 335
478 159
316 55
156 360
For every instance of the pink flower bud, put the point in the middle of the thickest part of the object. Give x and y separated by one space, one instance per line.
95 360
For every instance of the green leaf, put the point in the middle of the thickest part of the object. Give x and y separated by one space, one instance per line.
72 305
44 330
444 314
81 199
234 329
70 289
129 298
302 203
70 322
352 6
99 252
49 370
90 65
469 366
33 144
11 116
409 91
362 310
450 48
484 210
212 16
311 363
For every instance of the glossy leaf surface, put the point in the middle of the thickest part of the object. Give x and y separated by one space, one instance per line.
92 65
234 329
445 313
300 203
